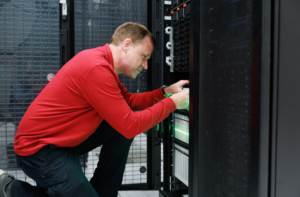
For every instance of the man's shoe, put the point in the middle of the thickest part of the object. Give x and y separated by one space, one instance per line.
5 184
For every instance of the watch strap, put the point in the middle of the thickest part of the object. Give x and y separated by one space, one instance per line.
163 89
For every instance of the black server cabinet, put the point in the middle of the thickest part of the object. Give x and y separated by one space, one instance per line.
234 98
244 104
229 60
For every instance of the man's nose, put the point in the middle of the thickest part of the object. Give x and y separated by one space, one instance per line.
145 64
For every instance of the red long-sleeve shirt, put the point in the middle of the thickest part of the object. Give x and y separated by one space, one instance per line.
83 93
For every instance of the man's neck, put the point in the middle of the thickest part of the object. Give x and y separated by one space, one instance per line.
115 50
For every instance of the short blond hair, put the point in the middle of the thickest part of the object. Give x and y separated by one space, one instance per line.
134 31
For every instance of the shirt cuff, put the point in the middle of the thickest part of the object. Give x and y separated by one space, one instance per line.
159 94
170 104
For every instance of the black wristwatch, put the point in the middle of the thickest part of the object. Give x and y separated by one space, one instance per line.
163 89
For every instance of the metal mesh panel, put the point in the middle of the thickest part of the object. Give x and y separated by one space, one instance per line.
181 161
95 22
29 58
226 72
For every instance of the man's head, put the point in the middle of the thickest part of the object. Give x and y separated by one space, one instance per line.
131 45
134 31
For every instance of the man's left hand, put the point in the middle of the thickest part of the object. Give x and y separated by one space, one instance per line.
176 87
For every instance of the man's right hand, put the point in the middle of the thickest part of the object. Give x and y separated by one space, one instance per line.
181 99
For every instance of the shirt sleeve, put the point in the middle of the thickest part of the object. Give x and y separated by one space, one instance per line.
140 101
102 91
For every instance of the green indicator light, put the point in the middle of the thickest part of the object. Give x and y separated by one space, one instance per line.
137 91
157 127
180 131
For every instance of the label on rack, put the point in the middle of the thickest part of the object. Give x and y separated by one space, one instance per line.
168 18
168 2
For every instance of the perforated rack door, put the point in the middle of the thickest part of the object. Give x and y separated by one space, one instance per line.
227 94
95 22
29 58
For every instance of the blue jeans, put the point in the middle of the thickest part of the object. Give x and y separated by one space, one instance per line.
58 172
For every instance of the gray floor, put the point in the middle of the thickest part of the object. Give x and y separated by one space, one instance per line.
138 194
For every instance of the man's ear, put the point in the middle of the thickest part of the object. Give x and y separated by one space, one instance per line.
127 44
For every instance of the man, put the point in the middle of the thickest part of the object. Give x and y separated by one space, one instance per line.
85 106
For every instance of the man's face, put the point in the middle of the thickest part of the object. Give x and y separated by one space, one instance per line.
136 57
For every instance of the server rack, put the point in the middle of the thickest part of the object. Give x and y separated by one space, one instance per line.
229 73
244 110
176 23
235 83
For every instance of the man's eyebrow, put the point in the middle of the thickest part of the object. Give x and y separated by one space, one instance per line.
147 55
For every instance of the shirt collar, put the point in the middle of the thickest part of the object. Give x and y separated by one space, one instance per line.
108 55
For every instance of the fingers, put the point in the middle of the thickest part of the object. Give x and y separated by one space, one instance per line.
185 93
184 82
177 87
181 99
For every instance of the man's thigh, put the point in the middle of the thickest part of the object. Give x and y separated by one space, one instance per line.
104 134
58 171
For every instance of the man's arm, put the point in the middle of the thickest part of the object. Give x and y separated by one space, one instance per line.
140 101
104 95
